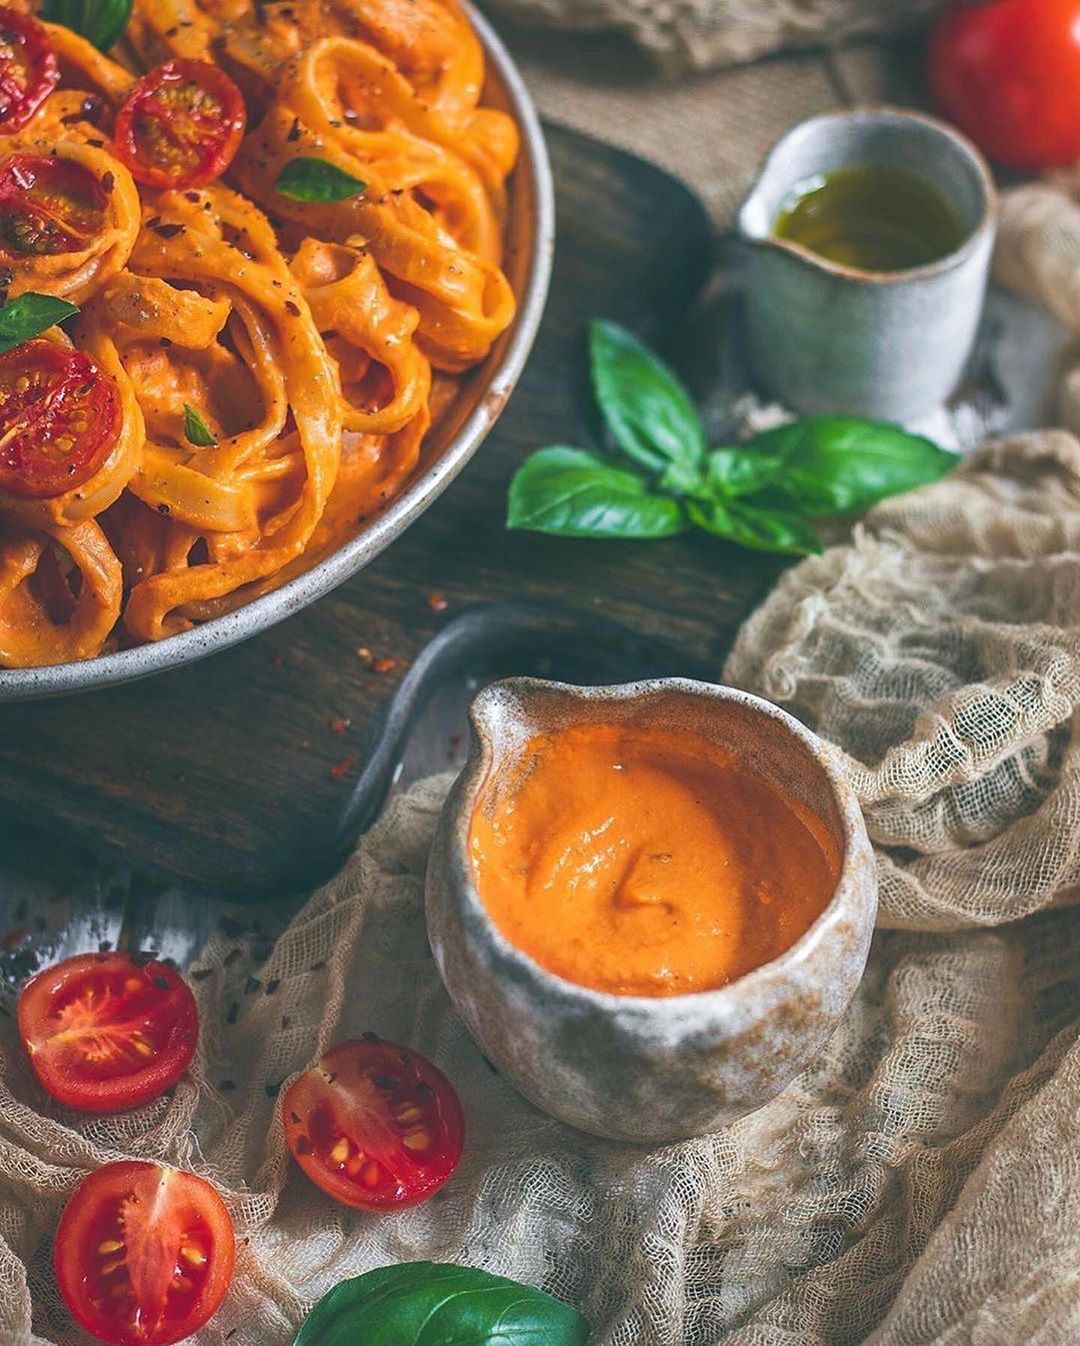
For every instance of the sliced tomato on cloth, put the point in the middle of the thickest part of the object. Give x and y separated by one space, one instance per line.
374 1125
59 418
48 205
105 1032
143 1253
180 125
29 70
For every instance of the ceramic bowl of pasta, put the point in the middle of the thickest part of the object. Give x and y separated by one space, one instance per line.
268 272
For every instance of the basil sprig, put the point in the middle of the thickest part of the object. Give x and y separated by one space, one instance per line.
663 478
196 431
28 316
424 1303
308 179
101 22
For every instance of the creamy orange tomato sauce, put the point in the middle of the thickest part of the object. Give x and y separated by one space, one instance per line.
646 862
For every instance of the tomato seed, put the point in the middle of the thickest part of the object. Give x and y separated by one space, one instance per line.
417 1140
408 1114
109 1246
193 1256
355 1164
340 1152
371 1174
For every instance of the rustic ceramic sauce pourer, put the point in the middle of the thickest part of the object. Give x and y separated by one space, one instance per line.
642 1068
826 337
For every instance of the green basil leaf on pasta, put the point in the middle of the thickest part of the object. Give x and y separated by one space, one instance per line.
29 315
578 493
423 1303
101 22
196 431
308 179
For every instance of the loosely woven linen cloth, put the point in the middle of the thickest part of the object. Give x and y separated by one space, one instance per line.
697 34
917 1186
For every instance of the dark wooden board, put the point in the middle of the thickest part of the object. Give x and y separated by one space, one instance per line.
222 772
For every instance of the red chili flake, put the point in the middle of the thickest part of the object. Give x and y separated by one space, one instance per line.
291 306
437 602
341 768
14 938
386 665
339 724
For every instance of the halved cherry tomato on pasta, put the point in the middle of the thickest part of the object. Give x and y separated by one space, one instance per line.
28 69
105 1031
48 205
374 1125
143 1254
59 418
180 125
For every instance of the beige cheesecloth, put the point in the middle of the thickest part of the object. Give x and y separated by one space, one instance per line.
921 1184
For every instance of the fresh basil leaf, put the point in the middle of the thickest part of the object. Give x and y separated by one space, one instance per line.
577 493
307 179
196 431
759 529
29 316
836 464
740 470
428 1303
101 22
648 411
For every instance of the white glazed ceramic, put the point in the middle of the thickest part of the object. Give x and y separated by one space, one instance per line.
831 338
638 1068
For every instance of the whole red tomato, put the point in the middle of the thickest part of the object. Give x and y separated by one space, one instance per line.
1008 73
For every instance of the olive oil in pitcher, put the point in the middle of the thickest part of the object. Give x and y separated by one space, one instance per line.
872 218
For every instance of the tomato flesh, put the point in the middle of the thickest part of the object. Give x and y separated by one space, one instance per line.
143 1253
48 206
59 419
105 1032
1008 73
375 1125
180 125
29 70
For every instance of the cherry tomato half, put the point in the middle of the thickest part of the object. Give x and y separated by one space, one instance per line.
48 206
59 419
180 125
143 1253
28 69
374 1125
1008 73
105 1032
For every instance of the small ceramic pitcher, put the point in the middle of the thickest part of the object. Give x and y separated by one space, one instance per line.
831 338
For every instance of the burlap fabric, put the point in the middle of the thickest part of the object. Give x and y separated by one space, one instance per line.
696 34
919 1185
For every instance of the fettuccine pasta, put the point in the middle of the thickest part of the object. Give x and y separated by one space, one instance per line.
282 226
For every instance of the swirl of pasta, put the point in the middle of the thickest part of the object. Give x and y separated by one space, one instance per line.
90 497
218 243
464 302
44 617
101 208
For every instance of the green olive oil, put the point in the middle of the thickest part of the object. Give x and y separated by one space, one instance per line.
870 217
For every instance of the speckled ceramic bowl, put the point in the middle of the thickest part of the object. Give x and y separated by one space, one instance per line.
638 1068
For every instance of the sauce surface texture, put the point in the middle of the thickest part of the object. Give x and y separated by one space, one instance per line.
645 861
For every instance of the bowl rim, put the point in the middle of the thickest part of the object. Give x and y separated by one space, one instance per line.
734 1001
265 611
